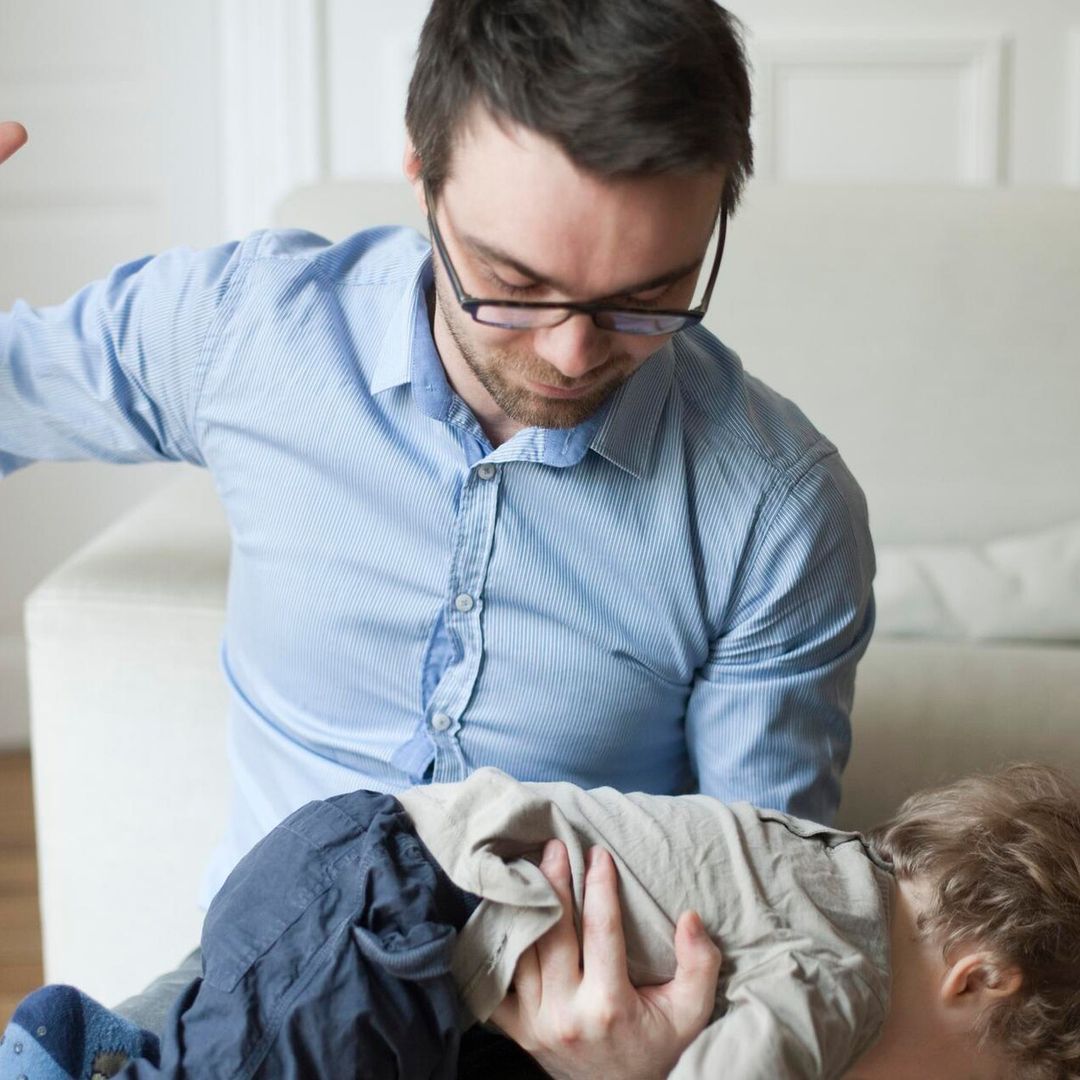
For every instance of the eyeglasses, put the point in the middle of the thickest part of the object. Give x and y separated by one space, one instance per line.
535 314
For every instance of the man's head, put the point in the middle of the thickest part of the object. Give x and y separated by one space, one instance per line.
623 87
579 150
997 863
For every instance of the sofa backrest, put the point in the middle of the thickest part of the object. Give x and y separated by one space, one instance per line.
932 334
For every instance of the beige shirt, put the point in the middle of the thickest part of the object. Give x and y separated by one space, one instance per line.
800 911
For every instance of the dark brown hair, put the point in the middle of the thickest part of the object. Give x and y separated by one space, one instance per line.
623 87
1001 855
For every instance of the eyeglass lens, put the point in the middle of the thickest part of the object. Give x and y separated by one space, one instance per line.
622 322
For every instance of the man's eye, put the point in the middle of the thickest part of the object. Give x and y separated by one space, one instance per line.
516 290
649 299
506 288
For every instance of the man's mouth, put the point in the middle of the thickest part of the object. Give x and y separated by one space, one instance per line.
575 391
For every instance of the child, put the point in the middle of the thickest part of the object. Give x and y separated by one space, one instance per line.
945 944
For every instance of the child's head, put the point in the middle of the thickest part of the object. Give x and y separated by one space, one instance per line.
999 857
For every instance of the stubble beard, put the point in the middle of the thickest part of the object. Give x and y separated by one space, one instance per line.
493 366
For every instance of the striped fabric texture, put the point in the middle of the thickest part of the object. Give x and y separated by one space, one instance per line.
670 597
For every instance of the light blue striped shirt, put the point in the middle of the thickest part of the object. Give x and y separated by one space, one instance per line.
670 597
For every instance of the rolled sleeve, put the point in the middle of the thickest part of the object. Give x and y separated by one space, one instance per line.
113 373
801 1013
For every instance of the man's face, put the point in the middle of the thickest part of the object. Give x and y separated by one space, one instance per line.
522 222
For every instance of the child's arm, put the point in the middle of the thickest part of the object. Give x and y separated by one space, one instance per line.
793 1016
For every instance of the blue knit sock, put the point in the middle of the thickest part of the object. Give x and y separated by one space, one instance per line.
58 1032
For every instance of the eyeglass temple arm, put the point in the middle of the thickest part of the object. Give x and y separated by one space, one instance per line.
716 262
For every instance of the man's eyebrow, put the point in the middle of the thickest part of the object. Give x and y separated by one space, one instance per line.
494 254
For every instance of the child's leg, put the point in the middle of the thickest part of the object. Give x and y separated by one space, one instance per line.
327 953
150 1008
58 1032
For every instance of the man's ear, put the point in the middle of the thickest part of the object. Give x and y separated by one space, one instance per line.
414 173
977 979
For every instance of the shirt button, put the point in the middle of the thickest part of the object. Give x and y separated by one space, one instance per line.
463 602
485 471
440 721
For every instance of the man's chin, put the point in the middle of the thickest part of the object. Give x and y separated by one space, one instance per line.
536 410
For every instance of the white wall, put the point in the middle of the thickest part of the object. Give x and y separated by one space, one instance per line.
975 91
121 101
908 91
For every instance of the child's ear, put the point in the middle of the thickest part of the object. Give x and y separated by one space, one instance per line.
977 979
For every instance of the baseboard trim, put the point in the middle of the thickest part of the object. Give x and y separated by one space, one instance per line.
14 696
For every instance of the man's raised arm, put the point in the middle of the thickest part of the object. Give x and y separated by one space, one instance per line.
113 373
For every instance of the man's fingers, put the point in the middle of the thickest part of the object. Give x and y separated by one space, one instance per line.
559 951
691 996
12 136
507 1017
551 965
515 1012
528 983
602 942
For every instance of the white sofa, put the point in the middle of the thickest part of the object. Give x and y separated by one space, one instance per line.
932 334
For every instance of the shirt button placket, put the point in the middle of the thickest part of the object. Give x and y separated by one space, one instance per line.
476 525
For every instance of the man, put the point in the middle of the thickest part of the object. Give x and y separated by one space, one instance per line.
560 532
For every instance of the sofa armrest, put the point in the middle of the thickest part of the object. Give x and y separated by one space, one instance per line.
128 740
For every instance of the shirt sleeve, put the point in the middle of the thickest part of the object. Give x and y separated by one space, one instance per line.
768 718
796 1015
114 372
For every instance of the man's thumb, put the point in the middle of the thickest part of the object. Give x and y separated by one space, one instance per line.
698 958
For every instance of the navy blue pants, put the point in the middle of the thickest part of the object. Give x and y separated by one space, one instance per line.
325 954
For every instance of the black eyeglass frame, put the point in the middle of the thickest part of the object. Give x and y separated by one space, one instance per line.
594 309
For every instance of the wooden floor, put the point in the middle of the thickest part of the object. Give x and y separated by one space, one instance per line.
20 925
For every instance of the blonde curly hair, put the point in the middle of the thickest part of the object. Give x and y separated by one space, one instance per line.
1001 854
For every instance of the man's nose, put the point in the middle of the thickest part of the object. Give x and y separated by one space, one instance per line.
574 347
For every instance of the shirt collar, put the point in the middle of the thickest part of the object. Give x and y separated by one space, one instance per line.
628 431
408 352
409 331
621 431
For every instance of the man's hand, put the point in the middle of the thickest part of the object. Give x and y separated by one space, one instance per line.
586 1019
12 136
